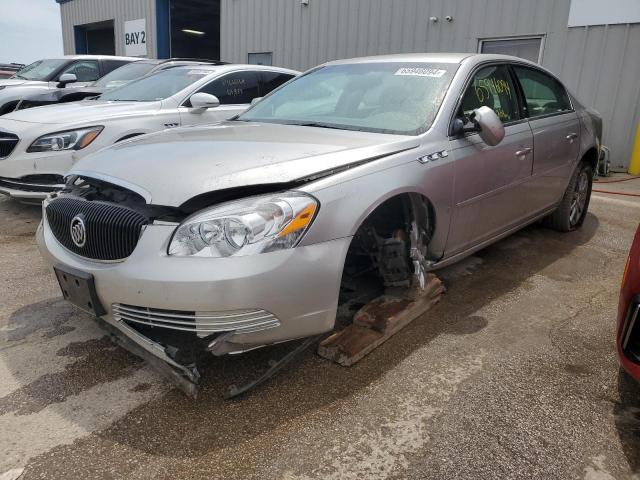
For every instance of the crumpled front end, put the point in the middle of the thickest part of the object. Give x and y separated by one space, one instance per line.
180 308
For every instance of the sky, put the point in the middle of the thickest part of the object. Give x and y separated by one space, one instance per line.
29 30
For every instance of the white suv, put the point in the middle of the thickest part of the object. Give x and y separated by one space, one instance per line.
39 145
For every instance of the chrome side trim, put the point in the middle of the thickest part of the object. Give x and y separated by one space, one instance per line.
16 182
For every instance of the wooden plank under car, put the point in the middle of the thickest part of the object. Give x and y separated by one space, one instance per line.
378 321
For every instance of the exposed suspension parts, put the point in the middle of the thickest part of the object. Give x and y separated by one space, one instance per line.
395 240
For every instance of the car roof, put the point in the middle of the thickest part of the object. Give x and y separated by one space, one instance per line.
152 61
407 57
236 66
193 60
96 57
431 58
186 61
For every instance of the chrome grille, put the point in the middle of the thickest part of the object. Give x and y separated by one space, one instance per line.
202 323
8 142
112 231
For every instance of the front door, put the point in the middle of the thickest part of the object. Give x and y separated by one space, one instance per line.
489 180
556 135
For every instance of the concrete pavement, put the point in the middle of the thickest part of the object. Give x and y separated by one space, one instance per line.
512 375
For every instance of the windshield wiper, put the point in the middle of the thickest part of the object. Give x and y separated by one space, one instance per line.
320 125
299 123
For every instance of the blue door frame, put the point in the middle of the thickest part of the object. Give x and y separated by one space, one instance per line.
80 38
163 28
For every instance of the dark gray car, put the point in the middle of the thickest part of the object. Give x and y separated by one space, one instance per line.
52 73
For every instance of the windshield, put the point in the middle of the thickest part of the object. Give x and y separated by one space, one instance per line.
124 74
398 98
40 70
155 87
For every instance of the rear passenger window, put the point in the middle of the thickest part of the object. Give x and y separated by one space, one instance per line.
238 87
544 94
491 87
272 80
111 65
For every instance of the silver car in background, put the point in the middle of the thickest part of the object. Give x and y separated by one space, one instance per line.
359 174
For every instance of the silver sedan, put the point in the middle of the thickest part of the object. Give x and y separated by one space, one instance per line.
357 177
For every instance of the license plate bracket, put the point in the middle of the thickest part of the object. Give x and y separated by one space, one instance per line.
79 288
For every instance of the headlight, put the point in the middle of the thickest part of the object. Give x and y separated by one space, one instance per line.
254 225
69 140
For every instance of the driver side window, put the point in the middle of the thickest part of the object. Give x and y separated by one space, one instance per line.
85 70
491 87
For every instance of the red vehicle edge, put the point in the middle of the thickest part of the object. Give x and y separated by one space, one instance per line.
628 331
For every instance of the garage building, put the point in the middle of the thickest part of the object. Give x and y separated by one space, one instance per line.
591 44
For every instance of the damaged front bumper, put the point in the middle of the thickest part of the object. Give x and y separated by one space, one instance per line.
176 308
31 187
31 177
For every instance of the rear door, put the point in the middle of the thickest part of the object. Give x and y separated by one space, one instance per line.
488 190
235 91
556 131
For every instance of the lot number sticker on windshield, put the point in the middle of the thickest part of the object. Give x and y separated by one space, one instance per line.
421 72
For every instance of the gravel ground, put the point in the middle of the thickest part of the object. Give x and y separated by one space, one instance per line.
512 375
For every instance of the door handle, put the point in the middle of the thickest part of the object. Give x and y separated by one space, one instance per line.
572 136
523 152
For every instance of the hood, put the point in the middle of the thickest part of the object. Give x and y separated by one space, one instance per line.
14 82
66 94
174 166
85 112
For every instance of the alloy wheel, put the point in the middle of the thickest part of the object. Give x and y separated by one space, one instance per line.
579 199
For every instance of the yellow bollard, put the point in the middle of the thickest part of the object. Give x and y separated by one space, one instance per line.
634 165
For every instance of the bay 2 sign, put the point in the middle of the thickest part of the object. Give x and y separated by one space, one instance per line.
135 38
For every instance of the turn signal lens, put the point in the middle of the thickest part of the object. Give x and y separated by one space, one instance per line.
87 139
300 222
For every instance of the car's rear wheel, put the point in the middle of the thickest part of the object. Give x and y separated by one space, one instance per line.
572 210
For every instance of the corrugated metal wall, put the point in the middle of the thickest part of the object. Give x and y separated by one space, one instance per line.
601 64
79 12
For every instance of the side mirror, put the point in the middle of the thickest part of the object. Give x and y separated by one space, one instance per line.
66 78
491 127
256 100
202 101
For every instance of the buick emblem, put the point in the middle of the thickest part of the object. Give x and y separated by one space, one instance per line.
78 231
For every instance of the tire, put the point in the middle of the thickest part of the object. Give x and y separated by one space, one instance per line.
572 210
